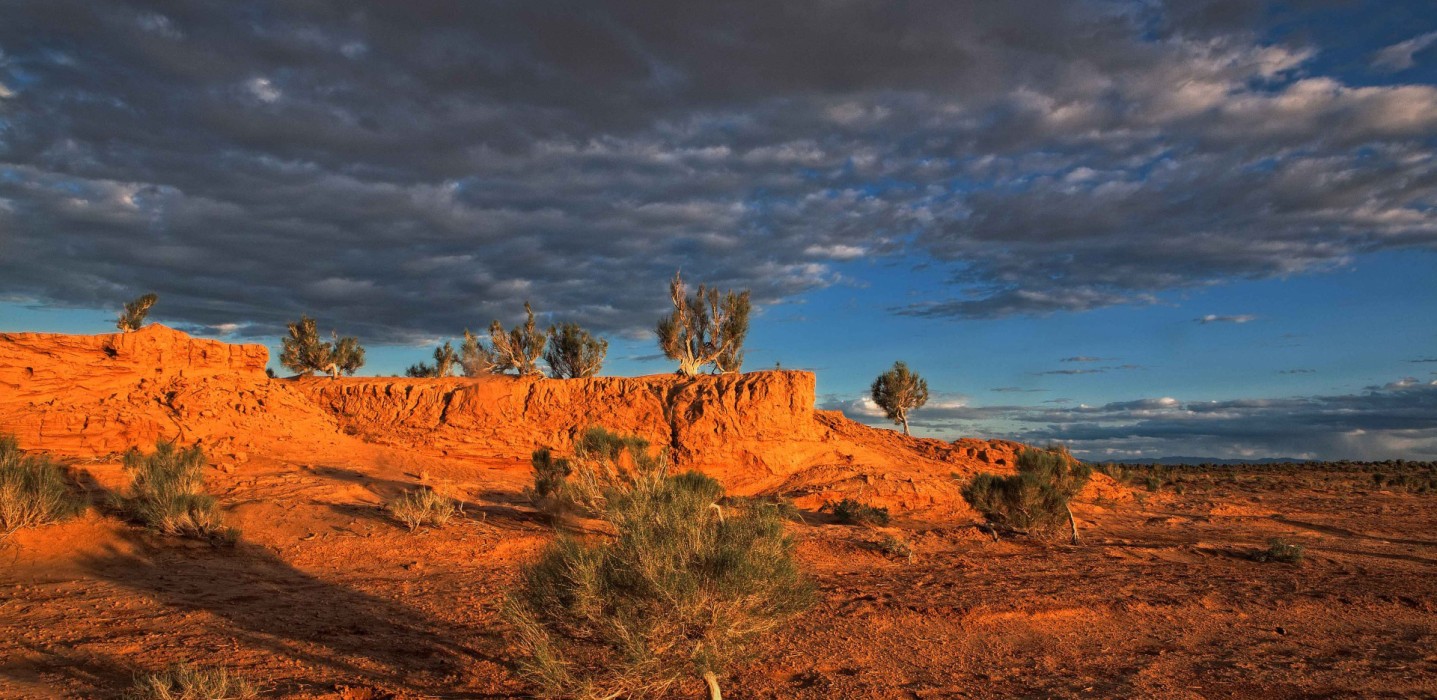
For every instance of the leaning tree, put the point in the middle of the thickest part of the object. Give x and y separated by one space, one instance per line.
898 391
135 311
707 328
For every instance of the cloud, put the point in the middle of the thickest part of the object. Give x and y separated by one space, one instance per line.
1014 390
1050 156
1297 371
1399 56
1215 318
1424 359
1083 358
1397 420
1088 370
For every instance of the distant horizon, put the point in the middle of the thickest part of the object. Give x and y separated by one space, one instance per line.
1140 229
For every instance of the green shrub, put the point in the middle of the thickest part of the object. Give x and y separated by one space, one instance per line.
603 463
422 506
1278 550
851 512
33 490
683 589
186 682
167 493
1035 500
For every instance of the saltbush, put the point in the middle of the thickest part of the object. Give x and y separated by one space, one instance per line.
167 493
33 490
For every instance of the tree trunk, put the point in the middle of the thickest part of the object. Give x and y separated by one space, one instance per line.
1071 522
904 418
712 682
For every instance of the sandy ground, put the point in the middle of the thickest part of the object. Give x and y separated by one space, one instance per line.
326 597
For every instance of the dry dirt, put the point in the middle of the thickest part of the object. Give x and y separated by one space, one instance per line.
326 597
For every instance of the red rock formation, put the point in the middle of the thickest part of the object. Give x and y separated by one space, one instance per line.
83 396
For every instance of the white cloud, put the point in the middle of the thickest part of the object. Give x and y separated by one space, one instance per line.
1399 56
263 89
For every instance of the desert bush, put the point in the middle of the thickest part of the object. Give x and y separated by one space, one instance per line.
603 464
187 682
422 506
851 512
305 354
895 547
1035 500
33 490
573 353
898 391
518 349
445 359
135 312
707 328
682 590
475 359
167 493
1280 551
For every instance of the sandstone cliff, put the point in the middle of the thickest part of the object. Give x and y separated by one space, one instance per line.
87 396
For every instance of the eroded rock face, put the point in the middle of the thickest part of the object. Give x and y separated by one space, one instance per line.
83 396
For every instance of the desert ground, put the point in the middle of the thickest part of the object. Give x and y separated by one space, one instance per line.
325 595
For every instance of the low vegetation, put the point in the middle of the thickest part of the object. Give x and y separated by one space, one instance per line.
681 590
899 391
445 360
1280 551
187 682
133 317
1036 499
167 494
851 512
304 353
33 490
705 329
603 464
422 506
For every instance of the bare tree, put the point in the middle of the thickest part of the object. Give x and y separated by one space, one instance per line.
135 311
898 391
520 348
707 328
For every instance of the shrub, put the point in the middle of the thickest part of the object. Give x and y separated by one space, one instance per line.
444 361
707 328
895 547
604 463
851 512
682 590
1278 550
422 506
167 493
898 391
475 360
1035 500
135 312
305 354
573 353
33 490
518 349
186 682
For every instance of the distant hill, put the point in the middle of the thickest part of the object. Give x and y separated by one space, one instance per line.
1203 460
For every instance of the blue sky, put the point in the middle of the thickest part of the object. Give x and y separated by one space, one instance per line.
1144 229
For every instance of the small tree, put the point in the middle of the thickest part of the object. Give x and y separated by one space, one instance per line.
520 348
444 361
1036 499
707 328
681 590
135 311
305 354
573 353
475 360
898 391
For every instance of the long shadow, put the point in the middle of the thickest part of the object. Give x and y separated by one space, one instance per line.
1344 532
270 605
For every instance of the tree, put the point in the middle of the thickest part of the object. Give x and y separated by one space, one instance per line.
1036 499
305 354
520 348
707 328
135 311
573 353
683 588
474 358
444 361
898 391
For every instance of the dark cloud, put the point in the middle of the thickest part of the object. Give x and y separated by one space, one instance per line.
1425 359
1297 371
1084 358
409 169
1392 421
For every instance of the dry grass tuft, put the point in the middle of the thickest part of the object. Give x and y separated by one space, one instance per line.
33 490
167 493
422 506
187 682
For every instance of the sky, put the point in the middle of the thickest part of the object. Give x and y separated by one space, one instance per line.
1143 229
